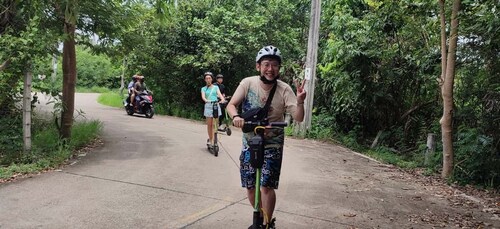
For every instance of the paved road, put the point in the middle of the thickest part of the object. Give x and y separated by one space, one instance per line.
164 177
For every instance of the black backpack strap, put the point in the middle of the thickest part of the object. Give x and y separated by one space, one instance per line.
270 98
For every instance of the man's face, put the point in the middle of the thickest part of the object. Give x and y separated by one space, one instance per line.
219 80
269 68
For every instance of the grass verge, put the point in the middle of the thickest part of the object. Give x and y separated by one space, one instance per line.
93 89
48 150
112 99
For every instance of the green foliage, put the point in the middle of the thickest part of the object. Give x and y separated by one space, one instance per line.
289 131
96 70
377 65
387 156
11 138
477 96
112 99
23 41
351 140
48 151
93 89
84 132
225 39
475 159
186 112
323 126
160 109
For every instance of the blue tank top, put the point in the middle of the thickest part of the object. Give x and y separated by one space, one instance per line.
210 93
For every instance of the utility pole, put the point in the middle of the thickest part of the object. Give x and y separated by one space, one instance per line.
311 60
28 78
54 68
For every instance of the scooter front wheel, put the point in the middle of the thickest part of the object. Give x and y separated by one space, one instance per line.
216 150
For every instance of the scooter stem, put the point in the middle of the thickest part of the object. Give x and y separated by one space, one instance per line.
257 190
257 219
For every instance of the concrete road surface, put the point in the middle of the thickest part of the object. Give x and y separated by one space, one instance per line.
157 173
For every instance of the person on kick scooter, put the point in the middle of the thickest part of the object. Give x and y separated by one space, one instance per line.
209 94
252 93
222 88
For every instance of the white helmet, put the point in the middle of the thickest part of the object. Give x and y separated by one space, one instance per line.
268 51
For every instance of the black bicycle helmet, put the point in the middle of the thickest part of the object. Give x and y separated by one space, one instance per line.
219 76
209 73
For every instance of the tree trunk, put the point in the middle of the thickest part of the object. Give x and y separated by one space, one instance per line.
122 82
69 80
4 65
444 47
447 94
28 77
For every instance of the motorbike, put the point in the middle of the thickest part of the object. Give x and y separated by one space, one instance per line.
144 106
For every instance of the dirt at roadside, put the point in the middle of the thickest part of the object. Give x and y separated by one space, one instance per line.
369 194
467 198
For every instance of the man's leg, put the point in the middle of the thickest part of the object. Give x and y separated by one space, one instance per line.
138 103
251 196
268 201
223 114
271 174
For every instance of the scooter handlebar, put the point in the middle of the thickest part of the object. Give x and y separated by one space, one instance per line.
265 123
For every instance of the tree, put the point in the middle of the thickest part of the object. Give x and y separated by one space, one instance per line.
224 39
377 60
101 18
23 43
68 68
448 58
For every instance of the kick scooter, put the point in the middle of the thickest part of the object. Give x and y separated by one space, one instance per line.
213 146
227 120
256 145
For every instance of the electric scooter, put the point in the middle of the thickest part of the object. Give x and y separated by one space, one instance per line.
213 146
256 145
227 120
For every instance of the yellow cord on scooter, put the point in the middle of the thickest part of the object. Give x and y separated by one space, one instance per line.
258 127
266 218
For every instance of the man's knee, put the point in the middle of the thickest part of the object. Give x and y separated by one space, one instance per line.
266 190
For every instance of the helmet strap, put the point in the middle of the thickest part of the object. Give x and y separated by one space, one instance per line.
266 81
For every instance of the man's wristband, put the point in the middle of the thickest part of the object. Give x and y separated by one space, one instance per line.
237 115
302 103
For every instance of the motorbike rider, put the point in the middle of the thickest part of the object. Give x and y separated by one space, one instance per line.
139 87
131 92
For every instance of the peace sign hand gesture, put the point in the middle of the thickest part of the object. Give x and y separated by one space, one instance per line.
301 93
